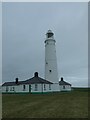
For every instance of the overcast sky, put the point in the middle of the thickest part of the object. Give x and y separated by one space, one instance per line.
24 29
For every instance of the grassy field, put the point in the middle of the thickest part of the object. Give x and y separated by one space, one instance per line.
72 104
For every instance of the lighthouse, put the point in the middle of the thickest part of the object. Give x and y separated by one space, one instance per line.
51 72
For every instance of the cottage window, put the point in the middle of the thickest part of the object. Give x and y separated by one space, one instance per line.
6 88
49 86
44 87
11 88
63 87
36 87
24 87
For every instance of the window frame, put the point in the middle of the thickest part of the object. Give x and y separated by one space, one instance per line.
44 86
12 88
49 86
7 88
24 87
36 87
64 87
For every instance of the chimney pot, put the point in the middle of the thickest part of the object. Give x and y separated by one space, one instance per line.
36 74
61 78
16 80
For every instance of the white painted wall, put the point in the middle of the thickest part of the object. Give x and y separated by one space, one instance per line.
47 88
50 61
3 88
18 88
40 88
55 87
67 88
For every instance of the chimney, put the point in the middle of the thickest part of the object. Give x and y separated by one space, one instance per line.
16 80
36 74
61 78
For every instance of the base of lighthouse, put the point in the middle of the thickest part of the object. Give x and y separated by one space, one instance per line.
55 87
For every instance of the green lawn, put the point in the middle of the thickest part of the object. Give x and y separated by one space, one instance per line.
72 104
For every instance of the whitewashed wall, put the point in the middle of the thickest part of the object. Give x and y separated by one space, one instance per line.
67 88
3 89
55 87
51 61
40 88
47 88
18 88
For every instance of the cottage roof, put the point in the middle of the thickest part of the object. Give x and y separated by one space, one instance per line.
62 82
12 83
33 80
37 80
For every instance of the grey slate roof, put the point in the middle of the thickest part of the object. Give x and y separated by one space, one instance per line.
12 83
64 83
37 80
34 80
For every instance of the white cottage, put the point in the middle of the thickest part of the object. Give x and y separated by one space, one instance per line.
64 86
35 84
32 85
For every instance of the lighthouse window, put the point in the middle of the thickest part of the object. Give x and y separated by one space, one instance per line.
50 35
50 70
46 63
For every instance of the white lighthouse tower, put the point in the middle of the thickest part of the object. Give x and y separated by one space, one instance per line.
51 72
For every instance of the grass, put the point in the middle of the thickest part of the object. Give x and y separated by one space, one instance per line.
72 104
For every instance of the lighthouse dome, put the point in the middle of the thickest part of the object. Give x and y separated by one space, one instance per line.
49 34
49 31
